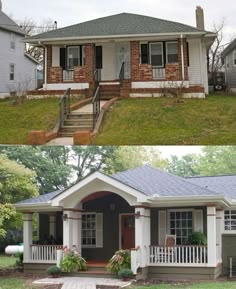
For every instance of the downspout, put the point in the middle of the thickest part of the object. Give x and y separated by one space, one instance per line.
45 64
182 56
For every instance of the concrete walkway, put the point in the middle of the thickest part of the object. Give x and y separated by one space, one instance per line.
88 108
82 283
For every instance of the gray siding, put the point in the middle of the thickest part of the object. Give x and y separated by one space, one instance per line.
24 67
228 250
231 71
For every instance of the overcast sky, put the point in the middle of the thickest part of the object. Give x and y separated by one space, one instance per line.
75 11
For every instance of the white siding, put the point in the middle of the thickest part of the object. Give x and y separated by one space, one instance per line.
194 70
55 56
24 68
108 71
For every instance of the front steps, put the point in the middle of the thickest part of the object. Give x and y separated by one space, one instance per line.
76 121
108 91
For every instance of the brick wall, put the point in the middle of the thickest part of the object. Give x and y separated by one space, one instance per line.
89 61
80 74
55 74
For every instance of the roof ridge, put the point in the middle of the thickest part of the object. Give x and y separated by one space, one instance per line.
211 176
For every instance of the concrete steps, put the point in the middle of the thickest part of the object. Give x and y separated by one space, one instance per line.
109 91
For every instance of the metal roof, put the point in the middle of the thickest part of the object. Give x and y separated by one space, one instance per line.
40 199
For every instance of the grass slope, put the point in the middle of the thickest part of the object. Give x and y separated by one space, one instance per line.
164 122
7 261
213 285
17 121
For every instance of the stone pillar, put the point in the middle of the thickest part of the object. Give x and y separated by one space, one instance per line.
142 234
27 236
52 225
219 231
211 235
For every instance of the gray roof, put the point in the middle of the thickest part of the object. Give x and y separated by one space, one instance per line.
224 185
152 181
120 24
229 48
40 199
8 24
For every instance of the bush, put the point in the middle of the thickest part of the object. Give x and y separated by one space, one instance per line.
19 259
72 261
121 260
54 271
125 273
197 238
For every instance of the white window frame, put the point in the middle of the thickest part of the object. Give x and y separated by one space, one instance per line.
13 41
229 231
12 72
81 51
171 42
178 210
98 243
234 58
150 54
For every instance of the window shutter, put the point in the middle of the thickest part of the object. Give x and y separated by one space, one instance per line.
198 221
99 230
63 58
162 227
144 53
188 60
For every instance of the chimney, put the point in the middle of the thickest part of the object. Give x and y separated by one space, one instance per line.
200 18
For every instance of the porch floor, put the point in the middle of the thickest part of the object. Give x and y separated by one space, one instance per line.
82 283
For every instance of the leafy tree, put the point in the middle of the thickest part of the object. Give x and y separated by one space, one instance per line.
128 157
185 166
7 211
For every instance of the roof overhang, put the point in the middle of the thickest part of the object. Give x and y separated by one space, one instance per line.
37 207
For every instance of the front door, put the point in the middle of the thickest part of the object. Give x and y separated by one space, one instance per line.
127 232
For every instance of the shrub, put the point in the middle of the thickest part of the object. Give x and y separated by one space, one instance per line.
197 238
72 261
125 273
19 259
54 271
121 260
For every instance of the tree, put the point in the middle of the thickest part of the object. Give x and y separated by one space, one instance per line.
7 211
16 181
185 166
129 157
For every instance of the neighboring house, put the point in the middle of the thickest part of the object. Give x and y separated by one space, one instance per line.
138 209
17 69
138 55
229 55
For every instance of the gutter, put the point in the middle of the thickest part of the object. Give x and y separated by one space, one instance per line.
45 64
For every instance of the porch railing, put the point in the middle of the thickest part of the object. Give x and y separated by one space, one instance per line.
122 72
188 255
64 106
158 73
96 97
44 253
68 75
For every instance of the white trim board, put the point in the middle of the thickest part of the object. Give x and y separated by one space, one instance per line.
64 86
159 84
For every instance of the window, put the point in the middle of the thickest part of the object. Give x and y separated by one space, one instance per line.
171 52
234 57
12 72
75 56
181 225
230 220
89 229
13 42
156 54
144 53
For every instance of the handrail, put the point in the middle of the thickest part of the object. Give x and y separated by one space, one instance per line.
64 105
96 97
122 72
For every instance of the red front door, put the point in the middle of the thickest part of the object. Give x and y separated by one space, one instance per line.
127 232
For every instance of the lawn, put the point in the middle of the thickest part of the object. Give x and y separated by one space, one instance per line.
162 121
7 261
213 285
14 283
17 121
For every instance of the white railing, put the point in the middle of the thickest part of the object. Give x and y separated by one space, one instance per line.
68 75
178 255
158 73
135 259
44 253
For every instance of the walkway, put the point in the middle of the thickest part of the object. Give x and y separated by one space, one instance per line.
88 108
82 283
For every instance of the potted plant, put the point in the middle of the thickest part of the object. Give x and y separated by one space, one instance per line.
121 260
125 274
73 261
54 271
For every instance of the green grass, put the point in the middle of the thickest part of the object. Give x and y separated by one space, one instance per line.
213 285
7 261
17 121
164 122
14 283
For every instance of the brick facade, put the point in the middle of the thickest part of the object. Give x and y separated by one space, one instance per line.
55 75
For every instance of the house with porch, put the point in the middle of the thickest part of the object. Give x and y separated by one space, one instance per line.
140 210
127 55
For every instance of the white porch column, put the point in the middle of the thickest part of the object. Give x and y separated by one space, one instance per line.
77 224
211 235
27 236
219 231
68 229
52 225
142 234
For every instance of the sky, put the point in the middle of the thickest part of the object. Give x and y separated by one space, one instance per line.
75 11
